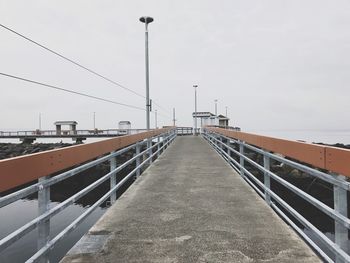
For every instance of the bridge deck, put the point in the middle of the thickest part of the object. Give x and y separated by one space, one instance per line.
190 206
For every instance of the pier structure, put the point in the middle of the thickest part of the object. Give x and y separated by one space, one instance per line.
195 199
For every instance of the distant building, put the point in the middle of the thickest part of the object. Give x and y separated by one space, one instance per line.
207 118
71 124
124 127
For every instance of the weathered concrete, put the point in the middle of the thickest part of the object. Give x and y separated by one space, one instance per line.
190 206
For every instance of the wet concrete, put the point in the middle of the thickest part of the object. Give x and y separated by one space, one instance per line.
190 206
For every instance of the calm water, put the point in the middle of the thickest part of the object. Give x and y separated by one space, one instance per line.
19 213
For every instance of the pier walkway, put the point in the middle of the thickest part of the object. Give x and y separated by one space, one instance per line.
190 206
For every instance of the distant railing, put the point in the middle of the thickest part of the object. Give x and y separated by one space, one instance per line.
17 171
225 127
184 131
235 147
69 133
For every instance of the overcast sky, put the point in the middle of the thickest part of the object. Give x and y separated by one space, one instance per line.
276 64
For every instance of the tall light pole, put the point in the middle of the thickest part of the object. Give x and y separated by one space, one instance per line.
39 120
146 20
156 119
216 107
226 111
174 120
195 109
94 120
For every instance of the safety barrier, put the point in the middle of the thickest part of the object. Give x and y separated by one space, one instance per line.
17 171
305 158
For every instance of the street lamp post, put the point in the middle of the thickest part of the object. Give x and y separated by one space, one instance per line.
174 119
156 119
40 121
146 20
195 109
216 107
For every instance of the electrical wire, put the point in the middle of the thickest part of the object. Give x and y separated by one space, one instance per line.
71 91
77 64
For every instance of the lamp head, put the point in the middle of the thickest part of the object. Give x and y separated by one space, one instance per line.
146 19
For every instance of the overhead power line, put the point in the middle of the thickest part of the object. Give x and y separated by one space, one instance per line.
77 64
71 91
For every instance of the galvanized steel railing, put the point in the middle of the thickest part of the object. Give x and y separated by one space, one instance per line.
224 141
11 168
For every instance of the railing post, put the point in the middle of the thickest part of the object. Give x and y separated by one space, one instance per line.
241 159
221 145
158 146
166 140
113 180
267 179
228 149
341 206
149 145
138 161
43 227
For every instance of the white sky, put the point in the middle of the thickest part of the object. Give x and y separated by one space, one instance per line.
276 64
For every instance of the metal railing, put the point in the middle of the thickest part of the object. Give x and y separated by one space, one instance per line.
69 133
184 131
161 138
236 152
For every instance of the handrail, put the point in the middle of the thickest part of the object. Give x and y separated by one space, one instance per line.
226 144
325 157
17 171
146 146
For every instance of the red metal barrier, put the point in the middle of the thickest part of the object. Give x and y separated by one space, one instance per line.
330 158
23 169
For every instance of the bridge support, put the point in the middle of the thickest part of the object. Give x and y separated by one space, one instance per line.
138 161
79 139
267 179
27 140
158 147
241 159
113 180
149 145
43 227
341 206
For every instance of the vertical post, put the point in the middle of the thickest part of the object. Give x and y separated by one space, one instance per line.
174 120
228 149
113 180
94 120
158 147
138 161
156 119
147 20
195 109
43 227
39 121
341 206
241 159
267 178
166 140
149 145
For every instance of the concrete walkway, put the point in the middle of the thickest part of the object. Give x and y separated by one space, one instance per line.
190 206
